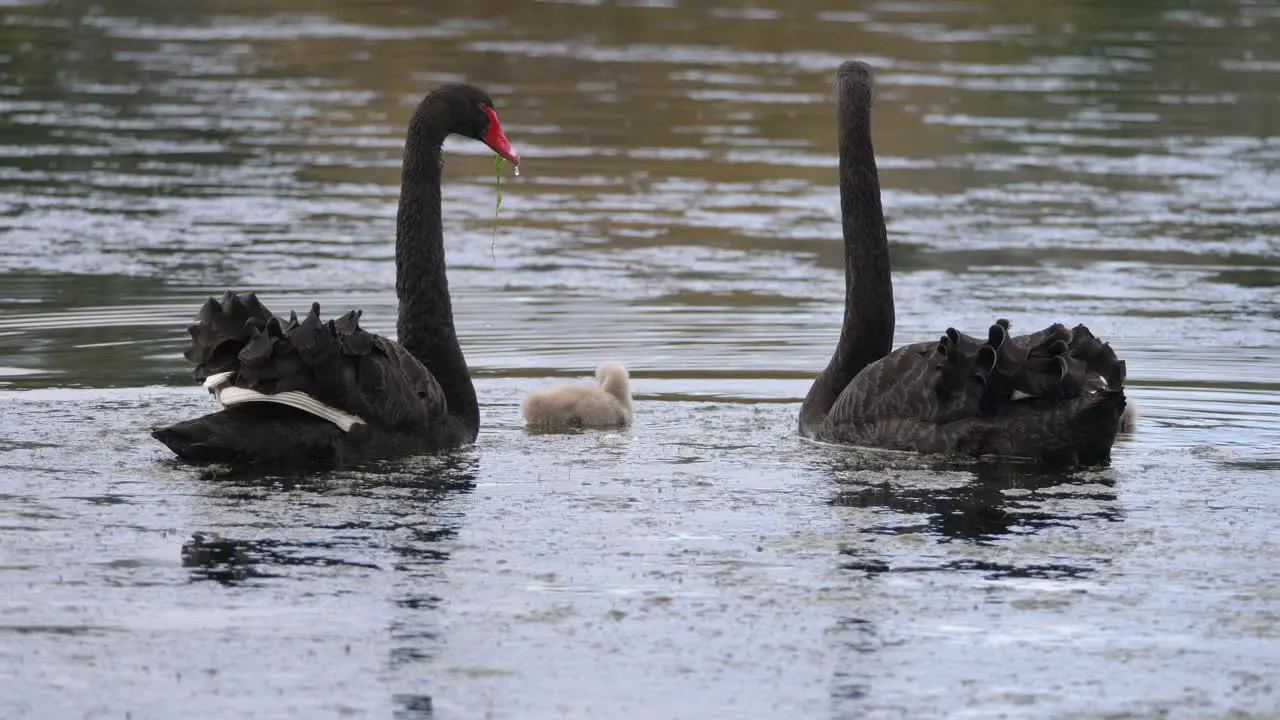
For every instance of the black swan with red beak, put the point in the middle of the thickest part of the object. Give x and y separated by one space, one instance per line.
1056 395
315 392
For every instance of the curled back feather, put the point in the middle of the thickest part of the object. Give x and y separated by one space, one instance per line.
985 378
337 362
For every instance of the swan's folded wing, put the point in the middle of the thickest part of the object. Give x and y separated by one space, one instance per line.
336 362
961 377
430 405
892 387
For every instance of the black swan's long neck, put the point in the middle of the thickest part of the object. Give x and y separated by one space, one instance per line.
425 324
867 333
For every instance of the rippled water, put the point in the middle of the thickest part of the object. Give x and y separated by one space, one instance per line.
1105 162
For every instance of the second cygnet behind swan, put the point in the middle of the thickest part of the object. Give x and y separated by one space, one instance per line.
607 403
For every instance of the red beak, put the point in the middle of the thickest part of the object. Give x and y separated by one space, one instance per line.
496 139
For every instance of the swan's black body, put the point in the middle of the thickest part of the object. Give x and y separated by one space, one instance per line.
412 396
1056 395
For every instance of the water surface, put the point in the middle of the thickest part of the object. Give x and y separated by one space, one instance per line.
676 210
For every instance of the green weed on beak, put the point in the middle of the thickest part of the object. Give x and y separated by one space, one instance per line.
497 205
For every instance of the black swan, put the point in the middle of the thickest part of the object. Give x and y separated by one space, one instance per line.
1055 395
604 403
329 393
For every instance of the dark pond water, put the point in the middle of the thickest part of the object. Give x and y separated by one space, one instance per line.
1116 163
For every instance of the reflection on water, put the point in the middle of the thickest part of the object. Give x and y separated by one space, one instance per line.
979 501
1107 163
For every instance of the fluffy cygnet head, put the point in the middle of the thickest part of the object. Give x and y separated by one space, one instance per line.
615 380
1129 420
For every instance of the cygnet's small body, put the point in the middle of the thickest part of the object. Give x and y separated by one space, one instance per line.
605 403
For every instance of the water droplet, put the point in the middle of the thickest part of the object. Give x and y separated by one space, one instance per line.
517 170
